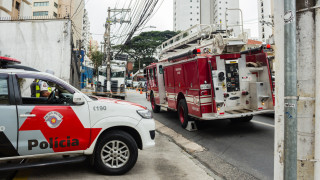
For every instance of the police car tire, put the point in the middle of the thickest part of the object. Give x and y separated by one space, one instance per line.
183 103
123 137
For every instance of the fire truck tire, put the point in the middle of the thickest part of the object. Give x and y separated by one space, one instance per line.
155 107
116 153
183 113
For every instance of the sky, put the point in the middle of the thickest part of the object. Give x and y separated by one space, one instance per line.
162 18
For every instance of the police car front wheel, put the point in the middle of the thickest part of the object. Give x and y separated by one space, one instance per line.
116 153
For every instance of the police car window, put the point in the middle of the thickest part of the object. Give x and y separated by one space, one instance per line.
4 93
39 91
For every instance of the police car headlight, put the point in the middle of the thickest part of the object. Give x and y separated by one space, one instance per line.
145 113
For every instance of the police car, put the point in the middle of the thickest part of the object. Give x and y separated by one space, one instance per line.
67 123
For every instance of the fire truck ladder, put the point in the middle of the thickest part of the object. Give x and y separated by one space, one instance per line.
200 36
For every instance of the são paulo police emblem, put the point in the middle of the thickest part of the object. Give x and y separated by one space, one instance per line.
53 119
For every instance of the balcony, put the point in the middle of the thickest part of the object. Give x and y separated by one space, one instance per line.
6 4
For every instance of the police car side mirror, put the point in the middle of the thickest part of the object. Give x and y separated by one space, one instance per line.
78 99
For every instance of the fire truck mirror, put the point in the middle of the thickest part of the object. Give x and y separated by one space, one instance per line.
160 69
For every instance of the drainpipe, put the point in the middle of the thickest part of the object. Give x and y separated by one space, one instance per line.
317 94
290 91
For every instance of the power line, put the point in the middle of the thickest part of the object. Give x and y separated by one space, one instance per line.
76 9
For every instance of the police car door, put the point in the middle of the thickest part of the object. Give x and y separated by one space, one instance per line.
50 127
8 118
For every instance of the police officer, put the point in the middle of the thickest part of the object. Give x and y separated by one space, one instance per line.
40 88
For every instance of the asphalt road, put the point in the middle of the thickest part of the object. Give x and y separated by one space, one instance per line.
233 150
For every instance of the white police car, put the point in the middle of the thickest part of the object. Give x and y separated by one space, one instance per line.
67 122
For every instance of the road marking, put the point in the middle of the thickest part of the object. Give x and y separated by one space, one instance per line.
266 124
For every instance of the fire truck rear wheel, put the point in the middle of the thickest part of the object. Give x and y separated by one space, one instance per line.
183 113
155 107
116 153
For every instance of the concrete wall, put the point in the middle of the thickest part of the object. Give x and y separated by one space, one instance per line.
39 44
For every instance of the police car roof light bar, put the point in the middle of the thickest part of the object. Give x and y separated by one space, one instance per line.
8 60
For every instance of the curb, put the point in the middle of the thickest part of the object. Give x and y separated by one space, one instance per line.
188 146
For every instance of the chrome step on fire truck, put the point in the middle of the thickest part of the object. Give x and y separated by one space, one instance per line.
203 74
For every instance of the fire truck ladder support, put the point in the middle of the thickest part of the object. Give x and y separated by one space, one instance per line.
200 36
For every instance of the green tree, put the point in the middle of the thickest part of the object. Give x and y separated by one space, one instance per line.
142 47
97 59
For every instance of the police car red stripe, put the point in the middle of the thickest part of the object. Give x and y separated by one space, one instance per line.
70 135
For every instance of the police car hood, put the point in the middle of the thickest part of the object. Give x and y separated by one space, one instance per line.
119 102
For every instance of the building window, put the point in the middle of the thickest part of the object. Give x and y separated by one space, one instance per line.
18 6
40 13
198 7
190 0
35 4
55 14
190 12
197 19
190 6
190 19
55 5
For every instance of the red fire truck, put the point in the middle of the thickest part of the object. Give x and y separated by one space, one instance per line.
203 74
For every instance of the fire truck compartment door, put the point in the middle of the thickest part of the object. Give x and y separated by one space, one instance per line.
179 78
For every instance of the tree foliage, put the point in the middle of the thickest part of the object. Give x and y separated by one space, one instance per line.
142 47
97 59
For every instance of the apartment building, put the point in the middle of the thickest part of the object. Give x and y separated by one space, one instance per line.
45 8
15 8
187 13
265 20
75 11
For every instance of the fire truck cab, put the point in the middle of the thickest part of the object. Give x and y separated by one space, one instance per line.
213 81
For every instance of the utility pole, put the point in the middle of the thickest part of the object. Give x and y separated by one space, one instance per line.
290 91
79 63
297 120
107 42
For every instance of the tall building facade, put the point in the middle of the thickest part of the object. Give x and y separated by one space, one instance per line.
75 11
45 8
15 8
265 20
69 9
86 31
187 13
